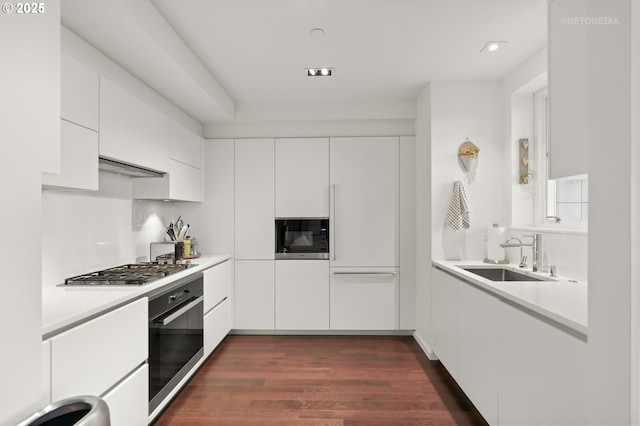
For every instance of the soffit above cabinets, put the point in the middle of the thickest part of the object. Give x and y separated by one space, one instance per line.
216 57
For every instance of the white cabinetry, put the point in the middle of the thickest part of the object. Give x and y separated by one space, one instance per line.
89 360
568 89
254 199
302 177
478 349
254 294
78 159
78 128
127 400
80 91
302 294
217 303
540 366
131 130
365 207
444 319
184 182
363 299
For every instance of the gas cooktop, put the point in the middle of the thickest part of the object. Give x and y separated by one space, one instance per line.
131 274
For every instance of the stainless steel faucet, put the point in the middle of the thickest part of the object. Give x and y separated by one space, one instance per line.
536 249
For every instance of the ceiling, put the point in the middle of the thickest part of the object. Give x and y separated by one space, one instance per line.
218 59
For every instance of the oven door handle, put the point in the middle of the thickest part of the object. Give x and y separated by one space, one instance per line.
168 319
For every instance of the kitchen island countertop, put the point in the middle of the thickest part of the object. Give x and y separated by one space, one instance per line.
560 301
64 307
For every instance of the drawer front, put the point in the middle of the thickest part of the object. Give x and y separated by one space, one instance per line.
217 284
217 324
129 401
94 356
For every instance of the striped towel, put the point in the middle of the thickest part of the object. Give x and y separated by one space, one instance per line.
458 216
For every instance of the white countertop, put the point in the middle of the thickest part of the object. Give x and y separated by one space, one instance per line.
559 300
65 306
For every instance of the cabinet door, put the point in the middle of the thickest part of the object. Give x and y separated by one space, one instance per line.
254 294
540 366
444 319
129 401
365 207
364 299
89 358
254 199
217 324
80 89
131 130
568 89
477 349
302 177
302 294
217 285
78 159
186 146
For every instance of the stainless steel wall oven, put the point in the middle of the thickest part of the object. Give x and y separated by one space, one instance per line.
175 336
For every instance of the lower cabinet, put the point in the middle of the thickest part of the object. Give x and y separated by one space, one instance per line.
127 398
364 299
254 295
89 360
540 366
444 318
217 324
515 368
478 349
302 294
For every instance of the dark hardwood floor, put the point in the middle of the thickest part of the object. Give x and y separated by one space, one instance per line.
320 380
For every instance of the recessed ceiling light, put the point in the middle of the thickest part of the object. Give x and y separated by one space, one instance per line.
317 32
492 46
320 72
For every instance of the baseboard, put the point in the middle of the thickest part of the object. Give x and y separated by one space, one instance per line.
425 348
323 332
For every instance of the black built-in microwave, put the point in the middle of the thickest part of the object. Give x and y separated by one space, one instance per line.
302 238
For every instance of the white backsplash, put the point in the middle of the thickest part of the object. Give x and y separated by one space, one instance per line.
87 231
567 250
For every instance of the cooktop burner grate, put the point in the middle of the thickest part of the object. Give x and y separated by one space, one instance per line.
131 274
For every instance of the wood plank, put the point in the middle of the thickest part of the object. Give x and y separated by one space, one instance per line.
320 380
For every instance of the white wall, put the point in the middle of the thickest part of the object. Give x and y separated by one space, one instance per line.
610 206
423 220
460 110
30 56
635 213
84 231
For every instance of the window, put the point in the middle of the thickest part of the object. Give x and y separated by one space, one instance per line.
561 202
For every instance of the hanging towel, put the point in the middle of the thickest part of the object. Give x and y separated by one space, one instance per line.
458 216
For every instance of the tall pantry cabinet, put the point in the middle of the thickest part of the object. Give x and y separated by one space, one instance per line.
254 290
365 211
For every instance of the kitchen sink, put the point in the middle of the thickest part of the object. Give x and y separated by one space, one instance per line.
501 274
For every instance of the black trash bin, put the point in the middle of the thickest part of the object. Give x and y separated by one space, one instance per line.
77 411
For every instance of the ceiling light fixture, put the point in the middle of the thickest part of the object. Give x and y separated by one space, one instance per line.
320 72
492 46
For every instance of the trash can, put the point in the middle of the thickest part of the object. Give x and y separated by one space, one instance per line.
77 411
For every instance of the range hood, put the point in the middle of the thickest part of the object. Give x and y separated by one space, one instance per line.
125 169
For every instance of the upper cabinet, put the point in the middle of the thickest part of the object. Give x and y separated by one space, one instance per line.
254 199
302 177
365 202
184 182
568 89
131 130
80 91
78 163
